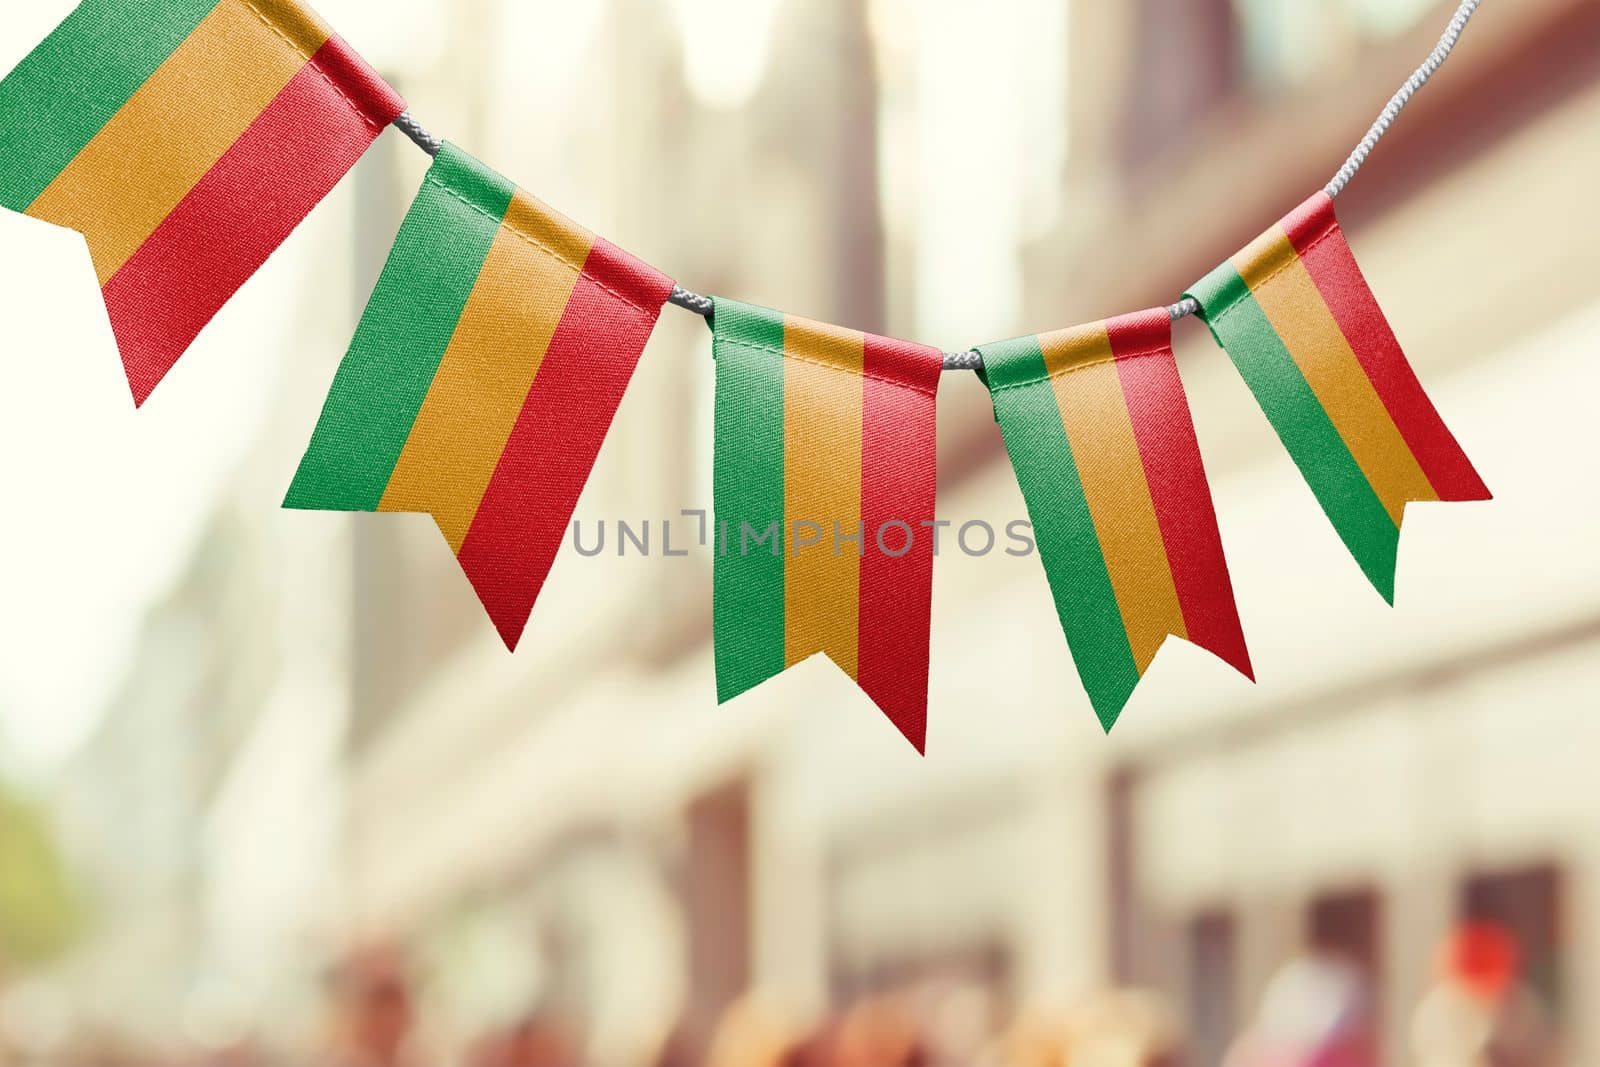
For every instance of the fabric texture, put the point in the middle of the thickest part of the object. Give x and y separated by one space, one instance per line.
825 479
185 139
482 379
1098 429
1297 318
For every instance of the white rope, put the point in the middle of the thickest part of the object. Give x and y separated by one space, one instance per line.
972 360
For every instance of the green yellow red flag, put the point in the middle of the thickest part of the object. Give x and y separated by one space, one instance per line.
185 139
1299 321
483 378
1098 430
825 477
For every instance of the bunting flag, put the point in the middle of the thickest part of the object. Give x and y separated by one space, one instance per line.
824 493
1098 429
185 139
482 379
1296 316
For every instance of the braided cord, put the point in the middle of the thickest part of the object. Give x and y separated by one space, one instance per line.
973 360
408 125
700 305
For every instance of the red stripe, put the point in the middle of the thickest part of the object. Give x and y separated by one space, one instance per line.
219 235
1314 230
899 465
524 513
1170 453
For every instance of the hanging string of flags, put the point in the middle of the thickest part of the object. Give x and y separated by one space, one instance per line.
185 139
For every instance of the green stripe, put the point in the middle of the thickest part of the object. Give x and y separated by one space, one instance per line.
69 87
1025 406
1309 435
403 335
747 475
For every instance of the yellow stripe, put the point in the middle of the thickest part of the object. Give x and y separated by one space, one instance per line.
295 24
822 397
1094 411
172 131
488 368
1290 299
554 233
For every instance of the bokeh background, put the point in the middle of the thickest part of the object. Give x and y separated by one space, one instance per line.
272 792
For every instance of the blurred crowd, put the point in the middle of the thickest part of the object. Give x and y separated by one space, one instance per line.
1318 1011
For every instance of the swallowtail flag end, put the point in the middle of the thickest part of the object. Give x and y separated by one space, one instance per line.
185 139
824 483
1299 321
483 378
1098 430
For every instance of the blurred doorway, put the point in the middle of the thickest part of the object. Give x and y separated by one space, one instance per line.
1213 982
716 896
1527 903
1348 926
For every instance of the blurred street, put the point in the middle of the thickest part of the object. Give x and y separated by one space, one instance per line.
272 792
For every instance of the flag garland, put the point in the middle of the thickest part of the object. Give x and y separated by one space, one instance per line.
483 378
185 139
1098 429
1297 318
825 477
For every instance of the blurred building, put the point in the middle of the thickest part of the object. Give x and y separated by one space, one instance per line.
580 825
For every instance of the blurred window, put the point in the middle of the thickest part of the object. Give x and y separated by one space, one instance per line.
1190 56
1122 876
716 888
726 44
1526 902
1349 925
1289 41
1212 981
1187 63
